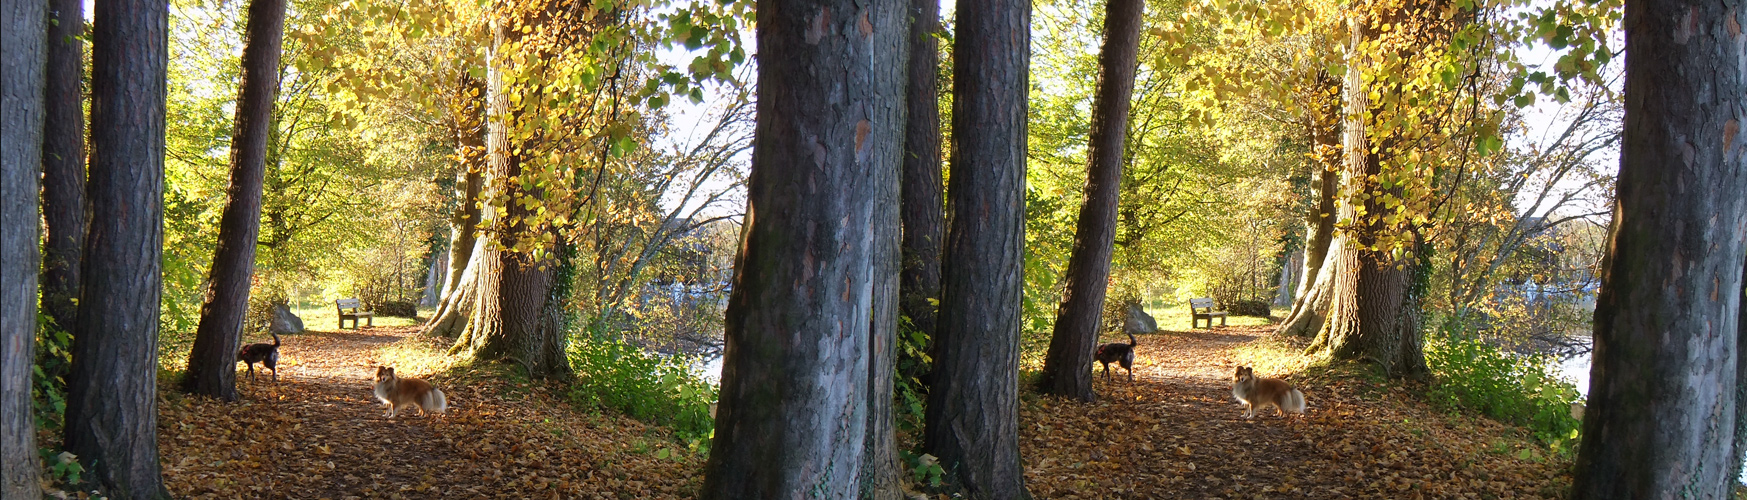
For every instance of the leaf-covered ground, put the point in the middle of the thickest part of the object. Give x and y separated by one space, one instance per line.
1175 432
320 433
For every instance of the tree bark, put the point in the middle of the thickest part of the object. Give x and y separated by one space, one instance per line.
1311 303
879 466
212 363
973 405
1667 317
111 417
21 143
804 327
1067 368
468 128
63 163
924 210
1373 310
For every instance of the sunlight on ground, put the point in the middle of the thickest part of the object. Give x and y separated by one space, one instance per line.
1173 315
417 356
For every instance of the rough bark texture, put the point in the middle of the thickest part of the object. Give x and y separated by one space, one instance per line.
973 405
111 417
924 210
21 141
1067 368
63 163
212 363
879 466
801 327
1667 317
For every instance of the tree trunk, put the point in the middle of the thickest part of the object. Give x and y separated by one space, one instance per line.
1667 317
438 266
21 143
1310 305
1067 368
63 163
1283 288
1373 310
212 363
112 417
804 330
973 405
879 466
924 211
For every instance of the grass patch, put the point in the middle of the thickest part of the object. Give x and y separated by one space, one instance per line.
418 356
323 317
1174 315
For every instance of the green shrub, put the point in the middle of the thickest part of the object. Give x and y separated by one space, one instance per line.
661 390
1508 387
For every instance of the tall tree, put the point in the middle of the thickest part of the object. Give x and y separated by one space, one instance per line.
1322 123
63 162
973 404
212 363
1067 368
112 417
924 215
1667 319
811 314
21 129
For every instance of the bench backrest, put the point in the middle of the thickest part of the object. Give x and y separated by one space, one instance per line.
344 304
1200 305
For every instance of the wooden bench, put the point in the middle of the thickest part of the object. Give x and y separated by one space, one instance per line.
1199 309
357 311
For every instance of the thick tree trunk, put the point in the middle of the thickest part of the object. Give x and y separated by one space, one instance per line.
1667 317
112 417
879 465
21 145
212 363
63 163
1067 368
1373 311
815 272
924 210
973 405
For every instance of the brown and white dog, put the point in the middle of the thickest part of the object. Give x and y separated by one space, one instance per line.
1258 393
397 392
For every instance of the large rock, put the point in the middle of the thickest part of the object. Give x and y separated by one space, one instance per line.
1138 321
285 322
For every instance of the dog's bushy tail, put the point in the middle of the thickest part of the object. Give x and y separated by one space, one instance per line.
1131 340
275 337
1294 402
434 401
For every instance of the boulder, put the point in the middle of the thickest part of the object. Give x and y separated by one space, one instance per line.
1138 321
284 322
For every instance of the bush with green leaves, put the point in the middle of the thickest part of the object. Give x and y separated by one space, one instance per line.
1512 388
661 390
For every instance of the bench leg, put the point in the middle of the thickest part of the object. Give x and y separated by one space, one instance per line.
371 322
1209 322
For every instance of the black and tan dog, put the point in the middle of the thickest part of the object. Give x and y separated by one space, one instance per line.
1117 352
265 354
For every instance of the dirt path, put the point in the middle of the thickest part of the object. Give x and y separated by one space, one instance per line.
319 433
1177 432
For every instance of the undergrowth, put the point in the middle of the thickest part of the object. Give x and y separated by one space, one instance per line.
661 390
1512 388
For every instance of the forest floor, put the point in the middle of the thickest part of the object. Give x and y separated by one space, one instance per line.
1175 432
